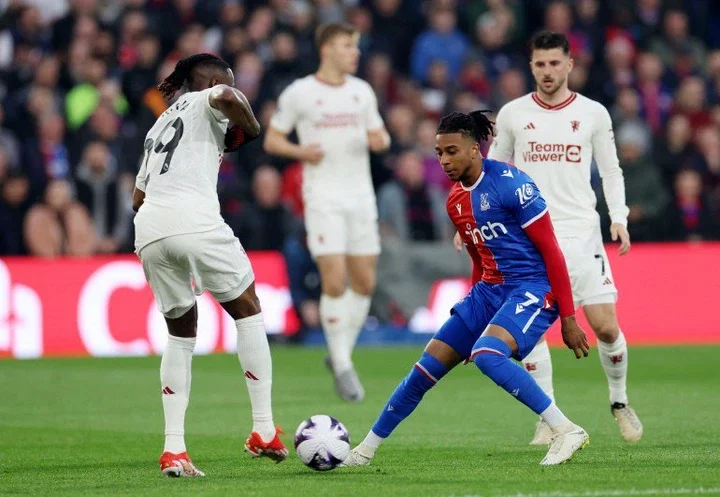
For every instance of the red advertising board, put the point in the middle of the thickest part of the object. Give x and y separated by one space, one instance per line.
667 295
103 306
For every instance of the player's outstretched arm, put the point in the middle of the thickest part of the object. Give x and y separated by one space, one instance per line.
235 106
542 234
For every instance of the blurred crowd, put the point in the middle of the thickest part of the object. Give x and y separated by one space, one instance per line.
78 94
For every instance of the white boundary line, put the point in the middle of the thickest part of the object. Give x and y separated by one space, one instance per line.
612 492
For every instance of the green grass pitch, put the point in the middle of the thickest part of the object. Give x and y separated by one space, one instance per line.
94 427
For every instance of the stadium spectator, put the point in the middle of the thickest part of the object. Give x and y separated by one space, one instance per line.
9 144
410 209
644 190
264 223
107 201
443 41
59 225
674 150
690 216
14 204
677 42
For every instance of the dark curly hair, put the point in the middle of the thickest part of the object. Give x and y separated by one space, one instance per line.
182 74
475 125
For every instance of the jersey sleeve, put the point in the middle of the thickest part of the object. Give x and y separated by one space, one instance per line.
503 145
523 199
141 178
605 153
373 120
286 114
214 113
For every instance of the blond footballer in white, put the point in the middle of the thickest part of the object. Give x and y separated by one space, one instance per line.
553 134
336 118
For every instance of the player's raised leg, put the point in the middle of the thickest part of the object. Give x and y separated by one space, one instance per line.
492 354
254 355
451 344
612 348
539 364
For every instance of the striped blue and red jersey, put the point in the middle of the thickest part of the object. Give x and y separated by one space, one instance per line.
491 217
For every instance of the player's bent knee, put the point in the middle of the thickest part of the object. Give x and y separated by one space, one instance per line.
488 352
333 288
246 305
607 333
364 287
178 312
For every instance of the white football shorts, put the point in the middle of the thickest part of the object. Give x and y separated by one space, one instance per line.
181 266
590 274
342 228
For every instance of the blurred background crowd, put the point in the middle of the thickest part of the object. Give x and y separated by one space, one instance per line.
77 87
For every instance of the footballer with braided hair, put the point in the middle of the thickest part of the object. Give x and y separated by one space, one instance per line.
186 247
520 287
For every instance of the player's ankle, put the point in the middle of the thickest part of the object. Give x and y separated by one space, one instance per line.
365 450
265 430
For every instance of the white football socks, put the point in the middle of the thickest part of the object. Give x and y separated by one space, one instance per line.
335 323
371 443
539 365
357 306
254 354
554 417
614 360
175 377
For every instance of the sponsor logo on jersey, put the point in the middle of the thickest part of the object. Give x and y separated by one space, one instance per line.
552 152
507 173
484 204
459 208
525 193
485 232
529 126
341 120
575 126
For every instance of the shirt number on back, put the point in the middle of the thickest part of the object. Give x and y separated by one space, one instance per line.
165 148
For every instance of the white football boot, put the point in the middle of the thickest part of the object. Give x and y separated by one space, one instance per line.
630 426
564 444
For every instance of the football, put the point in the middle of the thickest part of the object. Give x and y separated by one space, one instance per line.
322 442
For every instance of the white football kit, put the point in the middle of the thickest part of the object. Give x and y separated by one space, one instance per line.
180 236
340 205
555 145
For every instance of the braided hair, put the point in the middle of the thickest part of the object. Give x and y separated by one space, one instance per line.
182 74
475 125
